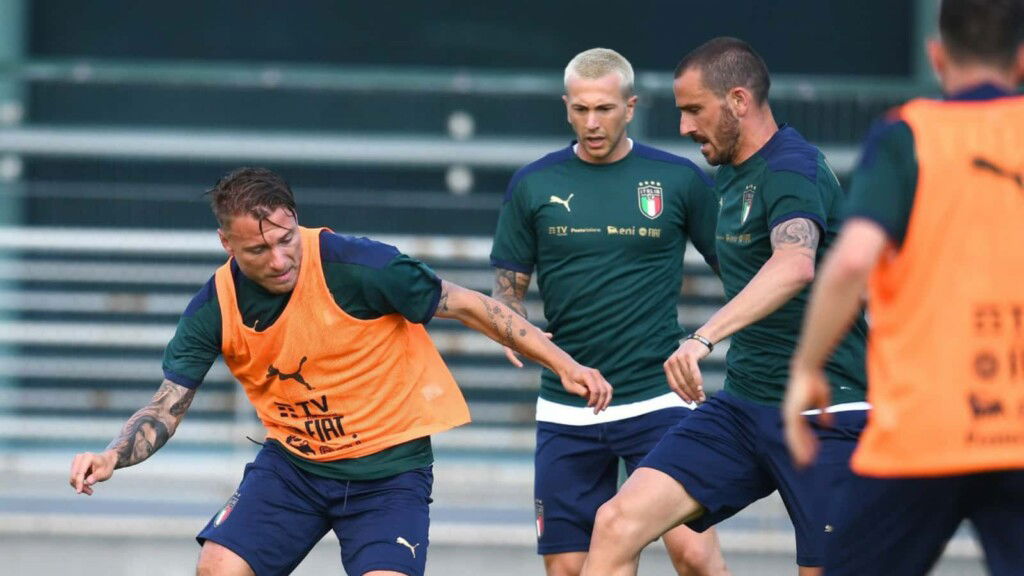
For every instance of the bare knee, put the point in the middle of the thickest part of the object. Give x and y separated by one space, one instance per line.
696 553
216 560
564 564
615 522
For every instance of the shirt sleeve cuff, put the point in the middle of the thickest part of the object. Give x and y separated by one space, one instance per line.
182 380
816 218
513 266
434 300
889 229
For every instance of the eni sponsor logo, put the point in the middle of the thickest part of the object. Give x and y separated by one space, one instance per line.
743 239
641 231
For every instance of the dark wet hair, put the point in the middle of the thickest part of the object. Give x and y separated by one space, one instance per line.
256 192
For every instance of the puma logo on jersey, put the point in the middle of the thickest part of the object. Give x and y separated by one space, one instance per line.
556 200
405 543
297 375
984 164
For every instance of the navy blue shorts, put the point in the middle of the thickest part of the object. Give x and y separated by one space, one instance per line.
280 512
901 525
576 470
731 452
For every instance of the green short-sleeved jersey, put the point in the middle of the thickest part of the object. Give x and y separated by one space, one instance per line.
368 280
607 241
787 178
885 182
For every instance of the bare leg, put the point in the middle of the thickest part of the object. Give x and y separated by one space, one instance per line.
810 570
564 564
649 504
216 560
695 553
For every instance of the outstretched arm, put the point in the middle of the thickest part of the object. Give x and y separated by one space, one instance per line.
835 302
788 271
501 324
510 289
142 435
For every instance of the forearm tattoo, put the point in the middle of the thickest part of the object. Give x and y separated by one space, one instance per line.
796 233
510 289
150 428
501 320
442 304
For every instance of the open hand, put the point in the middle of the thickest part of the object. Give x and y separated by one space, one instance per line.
88 468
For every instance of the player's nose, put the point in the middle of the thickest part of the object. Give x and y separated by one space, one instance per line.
686 125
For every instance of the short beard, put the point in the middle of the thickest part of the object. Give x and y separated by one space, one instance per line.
727 133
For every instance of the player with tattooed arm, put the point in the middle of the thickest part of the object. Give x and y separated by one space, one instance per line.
604 222
779 210
325 333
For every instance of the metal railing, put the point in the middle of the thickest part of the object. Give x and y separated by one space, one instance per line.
87 312
850 103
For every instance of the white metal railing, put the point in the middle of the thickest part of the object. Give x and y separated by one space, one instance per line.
405 79
343 149
46 239
77 347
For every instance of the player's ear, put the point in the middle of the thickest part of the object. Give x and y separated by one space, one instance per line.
937 56
1019 65
568 116
739 100
224 242
630 107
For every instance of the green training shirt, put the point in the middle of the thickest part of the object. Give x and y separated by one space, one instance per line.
787 178
367 280
607 242
885 182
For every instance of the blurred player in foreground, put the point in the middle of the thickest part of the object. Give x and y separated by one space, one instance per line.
936 235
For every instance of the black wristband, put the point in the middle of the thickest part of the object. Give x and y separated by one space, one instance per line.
702 340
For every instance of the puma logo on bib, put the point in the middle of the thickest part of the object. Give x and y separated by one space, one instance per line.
297 375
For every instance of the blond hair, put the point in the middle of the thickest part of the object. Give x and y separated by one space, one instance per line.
598 63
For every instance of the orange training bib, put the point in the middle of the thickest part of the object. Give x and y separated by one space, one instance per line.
329 386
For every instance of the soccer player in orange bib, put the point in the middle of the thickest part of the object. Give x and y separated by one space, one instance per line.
325 333
935 234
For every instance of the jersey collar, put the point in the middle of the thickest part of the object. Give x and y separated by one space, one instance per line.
984 91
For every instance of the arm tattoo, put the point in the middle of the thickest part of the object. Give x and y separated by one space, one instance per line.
510 289
150 428
797 233
443 302
501 320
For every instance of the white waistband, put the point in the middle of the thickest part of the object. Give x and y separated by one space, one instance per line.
845 407
548 411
